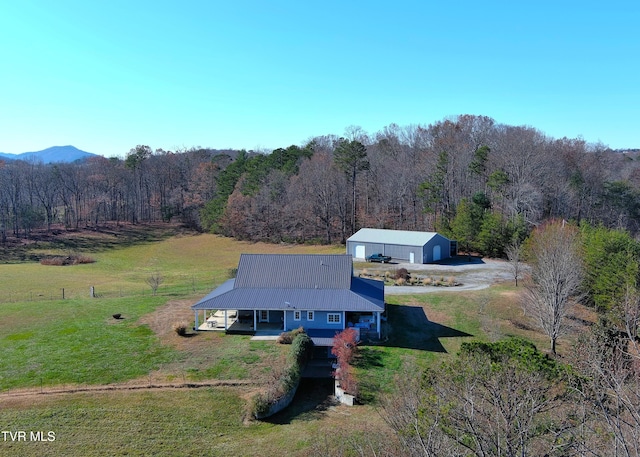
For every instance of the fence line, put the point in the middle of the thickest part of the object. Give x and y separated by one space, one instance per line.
179 287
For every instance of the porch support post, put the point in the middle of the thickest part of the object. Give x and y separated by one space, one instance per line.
344 320
378 323
255 320
196 325
284 320
225 319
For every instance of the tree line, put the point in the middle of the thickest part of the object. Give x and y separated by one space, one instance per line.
477 181
146 186
481 183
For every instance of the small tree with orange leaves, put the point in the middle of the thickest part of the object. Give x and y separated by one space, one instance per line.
344 348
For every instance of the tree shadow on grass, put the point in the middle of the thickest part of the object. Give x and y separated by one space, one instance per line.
368 358
411 329
93 239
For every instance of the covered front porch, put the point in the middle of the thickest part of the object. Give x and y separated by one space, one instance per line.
244 322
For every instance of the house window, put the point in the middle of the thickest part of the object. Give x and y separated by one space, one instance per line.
334 318
297 315
264 315
309 315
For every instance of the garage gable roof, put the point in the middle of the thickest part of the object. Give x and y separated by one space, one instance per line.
398 237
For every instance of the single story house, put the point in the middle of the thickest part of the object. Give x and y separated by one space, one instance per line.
282 292
410 246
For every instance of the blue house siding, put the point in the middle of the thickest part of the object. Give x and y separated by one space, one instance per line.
320 320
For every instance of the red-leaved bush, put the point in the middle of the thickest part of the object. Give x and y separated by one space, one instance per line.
344 348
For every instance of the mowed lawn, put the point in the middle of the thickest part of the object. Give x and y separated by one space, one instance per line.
193 422
188 264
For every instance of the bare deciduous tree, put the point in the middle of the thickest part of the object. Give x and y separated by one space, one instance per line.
419 434
609 361
480 406
556 276
514 254
154 281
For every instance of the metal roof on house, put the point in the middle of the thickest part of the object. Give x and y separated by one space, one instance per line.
287 271
305 282
290 299
397 237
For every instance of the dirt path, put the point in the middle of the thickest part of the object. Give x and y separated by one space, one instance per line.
57 390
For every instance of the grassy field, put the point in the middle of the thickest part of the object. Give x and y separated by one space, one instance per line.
48 343
197 422
189 264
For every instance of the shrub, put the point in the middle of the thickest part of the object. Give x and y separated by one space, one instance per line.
288 337
427 281
402 273
301 349
82 259
260 404
400 282
301 352
71 259
180 328
284 338
451 281
54 261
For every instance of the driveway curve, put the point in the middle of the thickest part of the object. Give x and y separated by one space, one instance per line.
472 274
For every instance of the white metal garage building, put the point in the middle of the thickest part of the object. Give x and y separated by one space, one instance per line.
409 246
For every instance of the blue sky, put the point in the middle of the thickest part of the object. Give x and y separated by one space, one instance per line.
105 76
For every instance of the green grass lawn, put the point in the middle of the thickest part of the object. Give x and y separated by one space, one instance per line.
179 422
78 342
189 265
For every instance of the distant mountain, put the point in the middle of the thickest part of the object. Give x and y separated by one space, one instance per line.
53 154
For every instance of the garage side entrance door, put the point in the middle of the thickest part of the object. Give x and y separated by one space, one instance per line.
436 253
359 251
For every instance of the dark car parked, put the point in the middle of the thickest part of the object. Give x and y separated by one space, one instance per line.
378 258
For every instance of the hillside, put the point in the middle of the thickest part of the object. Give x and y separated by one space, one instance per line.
54 154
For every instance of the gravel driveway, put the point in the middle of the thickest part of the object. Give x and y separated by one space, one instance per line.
476 274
